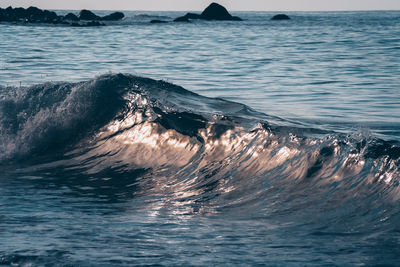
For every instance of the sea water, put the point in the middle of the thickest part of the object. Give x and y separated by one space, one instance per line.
203 143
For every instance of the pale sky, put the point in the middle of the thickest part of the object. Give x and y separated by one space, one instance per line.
234 5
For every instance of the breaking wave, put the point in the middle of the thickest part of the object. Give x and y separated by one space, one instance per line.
128 135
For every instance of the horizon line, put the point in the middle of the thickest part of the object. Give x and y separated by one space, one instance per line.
232 10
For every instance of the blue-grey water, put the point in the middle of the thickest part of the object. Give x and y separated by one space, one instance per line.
207 143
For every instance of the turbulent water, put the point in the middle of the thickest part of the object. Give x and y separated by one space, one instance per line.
284 152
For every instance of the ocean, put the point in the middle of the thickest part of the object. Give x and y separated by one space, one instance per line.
210 143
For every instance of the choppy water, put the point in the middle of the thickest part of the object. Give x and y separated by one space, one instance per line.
301 169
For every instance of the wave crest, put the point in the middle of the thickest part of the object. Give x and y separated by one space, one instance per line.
191 149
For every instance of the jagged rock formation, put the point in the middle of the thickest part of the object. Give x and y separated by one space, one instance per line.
36 15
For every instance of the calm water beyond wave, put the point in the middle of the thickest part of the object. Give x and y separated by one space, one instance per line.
206 143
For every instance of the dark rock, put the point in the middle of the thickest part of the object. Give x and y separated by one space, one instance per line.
193 16
29 15
9 15
280 17
187 17
236 18
50 16
71 17
114 16
34 11
181 19
19 13
158 21
87 15
2 14
213 12
216 12
36 15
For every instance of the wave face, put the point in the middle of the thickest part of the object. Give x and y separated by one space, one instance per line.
123 136
127 121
